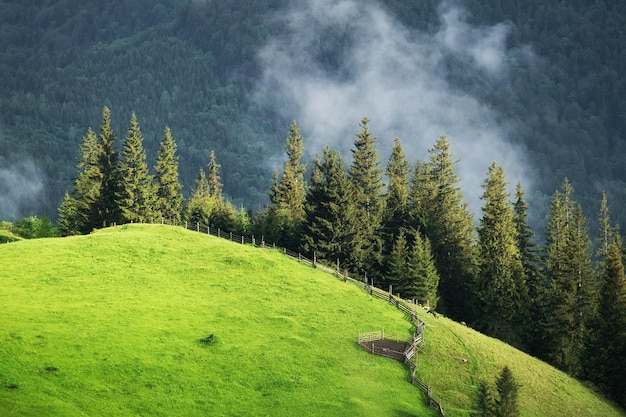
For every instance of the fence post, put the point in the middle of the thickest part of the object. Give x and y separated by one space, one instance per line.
219 232
242 240
314 259
231 236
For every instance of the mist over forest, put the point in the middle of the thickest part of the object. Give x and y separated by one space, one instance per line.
535 86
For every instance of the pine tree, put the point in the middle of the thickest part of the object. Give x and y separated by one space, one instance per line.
399 268
200 204
396 207
367 186
138 199
606 229
530 263
213 179
169 196
423 277
396 213
501 282
486 401
292 188
207 205
284 219
525 245
69 219
507 387
605 347
274 194
329 231
439 209
106 209
568 299
86 185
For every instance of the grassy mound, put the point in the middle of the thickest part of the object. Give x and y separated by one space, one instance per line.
161 321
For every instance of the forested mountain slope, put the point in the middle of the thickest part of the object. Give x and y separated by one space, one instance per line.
193 66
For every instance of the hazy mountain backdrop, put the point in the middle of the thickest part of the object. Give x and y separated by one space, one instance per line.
536 85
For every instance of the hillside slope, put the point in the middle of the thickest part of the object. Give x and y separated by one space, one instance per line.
112 323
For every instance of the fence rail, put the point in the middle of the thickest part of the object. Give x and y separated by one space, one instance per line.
407 308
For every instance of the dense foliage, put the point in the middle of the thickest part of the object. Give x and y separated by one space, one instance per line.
191 65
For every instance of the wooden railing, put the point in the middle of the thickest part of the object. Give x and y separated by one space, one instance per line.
407 307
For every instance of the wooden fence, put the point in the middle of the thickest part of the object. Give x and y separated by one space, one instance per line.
407 307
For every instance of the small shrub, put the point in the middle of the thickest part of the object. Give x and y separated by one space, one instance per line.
209 340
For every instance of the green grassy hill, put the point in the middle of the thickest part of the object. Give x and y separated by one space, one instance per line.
113 324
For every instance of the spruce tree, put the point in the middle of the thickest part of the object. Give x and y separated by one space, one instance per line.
396 213
605 347
274 194
86 185
69 219
507 387
423 276
525 245
396 207
106 209
486 401
213 179
169 195
606 230
292 188
200 204
568 298
439 208
224 214
501 282
284 219
330 230
138 199
367 186
528 250
399 274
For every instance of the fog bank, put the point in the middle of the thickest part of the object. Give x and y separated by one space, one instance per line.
339 61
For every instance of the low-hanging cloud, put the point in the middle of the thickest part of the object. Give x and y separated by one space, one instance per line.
21 187
397 77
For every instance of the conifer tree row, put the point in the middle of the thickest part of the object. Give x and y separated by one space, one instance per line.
113 188
416 234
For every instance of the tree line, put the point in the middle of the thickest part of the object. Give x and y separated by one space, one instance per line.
564 301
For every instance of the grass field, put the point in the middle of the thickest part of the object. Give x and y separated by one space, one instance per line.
161 321
112 323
